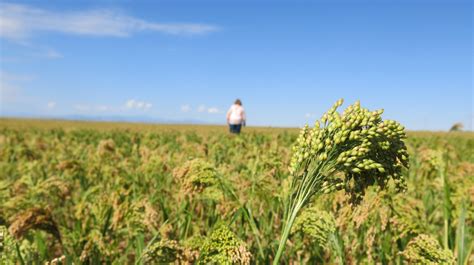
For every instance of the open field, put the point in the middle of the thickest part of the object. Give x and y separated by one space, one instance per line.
124 193
134 127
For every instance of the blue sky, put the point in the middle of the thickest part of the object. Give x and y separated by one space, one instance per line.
287 61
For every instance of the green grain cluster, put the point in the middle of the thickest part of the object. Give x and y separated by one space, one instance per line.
316 224
223 247
352 150
424 249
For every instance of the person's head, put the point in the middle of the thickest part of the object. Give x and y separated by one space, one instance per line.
238 102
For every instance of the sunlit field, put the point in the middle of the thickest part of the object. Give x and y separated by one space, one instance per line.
130 193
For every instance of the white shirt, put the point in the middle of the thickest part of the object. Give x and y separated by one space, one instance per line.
236 114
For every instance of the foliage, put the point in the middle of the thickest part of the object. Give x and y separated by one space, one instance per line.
110 193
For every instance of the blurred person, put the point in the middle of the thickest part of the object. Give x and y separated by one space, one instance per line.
236 117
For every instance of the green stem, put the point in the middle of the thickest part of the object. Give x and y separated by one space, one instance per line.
286 233
247 213
305 189
253 226
447 209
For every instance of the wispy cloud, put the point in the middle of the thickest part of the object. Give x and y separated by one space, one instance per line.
129 106
137 105
185 108
51 105
213 110
19 22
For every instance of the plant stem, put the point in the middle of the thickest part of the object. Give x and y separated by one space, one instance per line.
286 232
446 208
461 235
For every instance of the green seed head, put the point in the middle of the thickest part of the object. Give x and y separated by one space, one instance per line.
362 146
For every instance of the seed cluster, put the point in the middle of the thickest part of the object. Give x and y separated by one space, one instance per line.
7 246
425 249
56 261
318 225
224 247
163 251
196 175
352 150
357 143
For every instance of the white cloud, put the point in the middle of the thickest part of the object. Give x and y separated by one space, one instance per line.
51 105
19 22
213 110
201 108
130 104
308 115
139 105
133 104
185 108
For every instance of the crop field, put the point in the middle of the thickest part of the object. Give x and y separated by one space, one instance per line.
124 193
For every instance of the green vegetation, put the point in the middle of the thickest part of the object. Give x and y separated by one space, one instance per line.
117 193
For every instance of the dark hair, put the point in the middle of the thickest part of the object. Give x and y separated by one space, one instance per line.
238 102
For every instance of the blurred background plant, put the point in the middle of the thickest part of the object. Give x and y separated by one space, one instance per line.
96 202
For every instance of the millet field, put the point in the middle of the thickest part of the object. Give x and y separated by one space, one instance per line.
352 189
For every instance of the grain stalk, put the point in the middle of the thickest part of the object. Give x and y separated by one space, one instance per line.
462 237
352 150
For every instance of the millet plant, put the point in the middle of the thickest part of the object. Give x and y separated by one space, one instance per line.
350 150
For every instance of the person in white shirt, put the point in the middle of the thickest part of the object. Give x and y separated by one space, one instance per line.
236 117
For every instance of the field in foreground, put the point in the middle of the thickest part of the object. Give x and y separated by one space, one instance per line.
131 193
